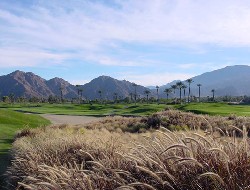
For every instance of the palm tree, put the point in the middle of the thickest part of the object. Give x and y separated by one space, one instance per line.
147 92
80 92
157 91
199 85
135 85
115 97
61 91
213 91
184 89
189 81
100 94
179 85
168 91
174 87
131 96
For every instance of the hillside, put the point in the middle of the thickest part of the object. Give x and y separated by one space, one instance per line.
231 81
109 86
28 85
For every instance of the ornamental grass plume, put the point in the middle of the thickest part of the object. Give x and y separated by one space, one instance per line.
68 158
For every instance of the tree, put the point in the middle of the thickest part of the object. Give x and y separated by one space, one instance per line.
6 99
179 86
115 97
174 87
213 91
184 90
78 92
135 85
61 91
147 92
157 91
189 81
100 94
12 97
131 96
168 91
199 85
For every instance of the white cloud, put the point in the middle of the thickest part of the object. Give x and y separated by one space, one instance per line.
16 57
89 28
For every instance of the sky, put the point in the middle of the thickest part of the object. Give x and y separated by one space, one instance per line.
149 42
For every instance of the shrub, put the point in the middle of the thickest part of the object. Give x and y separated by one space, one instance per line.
99 159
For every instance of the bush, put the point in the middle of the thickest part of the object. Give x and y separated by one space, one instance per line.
99 159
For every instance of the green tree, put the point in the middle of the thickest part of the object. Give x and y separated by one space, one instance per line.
189 81
12 97
147 92
6 99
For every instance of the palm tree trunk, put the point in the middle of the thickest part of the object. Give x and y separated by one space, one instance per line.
188 92
180 95
199 94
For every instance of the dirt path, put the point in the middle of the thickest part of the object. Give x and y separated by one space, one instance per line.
69 119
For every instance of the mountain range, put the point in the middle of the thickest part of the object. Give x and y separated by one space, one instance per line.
28 85
228 81
231 80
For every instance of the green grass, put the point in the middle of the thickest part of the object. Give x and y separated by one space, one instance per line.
10 123
87 109
222 109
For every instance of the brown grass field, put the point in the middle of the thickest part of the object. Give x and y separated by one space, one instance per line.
135 153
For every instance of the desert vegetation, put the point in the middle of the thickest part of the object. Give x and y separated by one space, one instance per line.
106 155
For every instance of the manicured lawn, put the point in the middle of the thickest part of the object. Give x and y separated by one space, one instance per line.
89 110
10 123
222 109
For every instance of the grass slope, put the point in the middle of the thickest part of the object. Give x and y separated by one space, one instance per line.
10 122
89 110
222 109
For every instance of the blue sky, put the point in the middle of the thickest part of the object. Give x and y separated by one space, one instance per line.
150 42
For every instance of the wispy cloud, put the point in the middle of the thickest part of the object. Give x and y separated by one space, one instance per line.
94 31
15 57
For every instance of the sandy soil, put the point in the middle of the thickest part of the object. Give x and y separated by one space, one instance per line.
69 119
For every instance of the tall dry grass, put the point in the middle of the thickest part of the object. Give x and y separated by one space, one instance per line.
68 158
174 120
